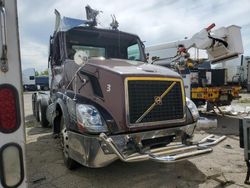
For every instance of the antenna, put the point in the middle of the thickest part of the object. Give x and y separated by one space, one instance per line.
91 16
114 24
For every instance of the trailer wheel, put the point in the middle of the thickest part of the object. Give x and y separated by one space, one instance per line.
45 88
42 107
69 163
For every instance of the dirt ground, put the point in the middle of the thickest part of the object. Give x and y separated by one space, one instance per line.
224 167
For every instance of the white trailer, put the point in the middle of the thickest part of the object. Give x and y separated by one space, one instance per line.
12 135
28 76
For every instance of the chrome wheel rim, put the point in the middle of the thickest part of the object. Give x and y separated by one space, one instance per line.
64 139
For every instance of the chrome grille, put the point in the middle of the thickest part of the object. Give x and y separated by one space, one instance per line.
142 94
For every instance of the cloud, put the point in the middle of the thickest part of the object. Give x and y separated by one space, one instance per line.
154 21
34 55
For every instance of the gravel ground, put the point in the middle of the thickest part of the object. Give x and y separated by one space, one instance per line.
224 167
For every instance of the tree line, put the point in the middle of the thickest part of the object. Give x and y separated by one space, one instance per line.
42 73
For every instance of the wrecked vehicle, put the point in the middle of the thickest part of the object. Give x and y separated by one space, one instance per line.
106 102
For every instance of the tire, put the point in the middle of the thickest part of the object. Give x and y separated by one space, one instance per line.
45 88
35 107
69 163
24 88
34 104
32 88
37 111
42 113
210 106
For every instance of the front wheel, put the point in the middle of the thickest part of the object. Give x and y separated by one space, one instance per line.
69 163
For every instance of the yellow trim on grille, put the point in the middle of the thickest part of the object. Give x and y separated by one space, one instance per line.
153 78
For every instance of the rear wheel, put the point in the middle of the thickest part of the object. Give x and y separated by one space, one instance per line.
69 163
37 111
35 107
34 104
42 108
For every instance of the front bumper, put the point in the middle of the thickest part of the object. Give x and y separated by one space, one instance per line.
99 151
168 154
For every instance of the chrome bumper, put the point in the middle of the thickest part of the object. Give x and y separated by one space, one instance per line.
101 150
168 154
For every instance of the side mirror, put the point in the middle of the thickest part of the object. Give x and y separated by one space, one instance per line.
81 58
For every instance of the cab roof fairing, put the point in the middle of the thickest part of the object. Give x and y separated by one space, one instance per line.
67 23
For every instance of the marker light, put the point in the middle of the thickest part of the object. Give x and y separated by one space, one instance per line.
9 105
11 163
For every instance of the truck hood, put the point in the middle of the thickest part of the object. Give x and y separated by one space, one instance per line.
128 67
106 87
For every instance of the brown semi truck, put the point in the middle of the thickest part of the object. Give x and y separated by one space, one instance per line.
107 103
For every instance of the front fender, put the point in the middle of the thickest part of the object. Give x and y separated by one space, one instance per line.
61 111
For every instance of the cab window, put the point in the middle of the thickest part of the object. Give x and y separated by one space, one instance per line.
133 52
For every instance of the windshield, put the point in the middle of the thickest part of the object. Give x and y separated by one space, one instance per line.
104 43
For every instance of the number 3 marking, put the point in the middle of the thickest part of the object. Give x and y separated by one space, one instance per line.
108 87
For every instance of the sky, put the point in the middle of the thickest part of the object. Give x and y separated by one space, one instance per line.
154 21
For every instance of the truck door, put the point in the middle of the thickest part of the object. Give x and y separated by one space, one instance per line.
12 132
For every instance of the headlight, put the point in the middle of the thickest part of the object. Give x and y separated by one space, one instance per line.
193 109
89 119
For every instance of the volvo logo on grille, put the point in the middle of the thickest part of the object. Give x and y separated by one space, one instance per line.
158 100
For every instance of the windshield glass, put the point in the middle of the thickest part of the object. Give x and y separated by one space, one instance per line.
104 43
91 51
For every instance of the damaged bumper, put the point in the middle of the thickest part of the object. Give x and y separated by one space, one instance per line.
172 153
164 145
